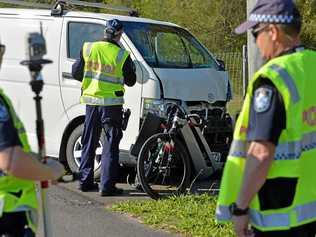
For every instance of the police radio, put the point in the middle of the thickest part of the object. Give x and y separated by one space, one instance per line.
125 118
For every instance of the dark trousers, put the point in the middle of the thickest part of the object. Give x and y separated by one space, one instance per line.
307 230
108 118
14 225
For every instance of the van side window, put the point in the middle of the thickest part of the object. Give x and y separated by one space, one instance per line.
80 32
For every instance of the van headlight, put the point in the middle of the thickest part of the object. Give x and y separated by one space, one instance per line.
155 106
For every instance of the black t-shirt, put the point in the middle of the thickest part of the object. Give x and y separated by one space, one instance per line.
8 133
267 113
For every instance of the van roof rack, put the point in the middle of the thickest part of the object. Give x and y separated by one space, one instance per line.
61 5
27 4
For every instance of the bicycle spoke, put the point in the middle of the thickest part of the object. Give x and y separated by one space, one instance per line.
164 170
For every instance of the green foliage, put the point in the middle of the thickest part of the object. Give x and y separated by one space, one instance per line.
190 215
206 19
308 9
211 21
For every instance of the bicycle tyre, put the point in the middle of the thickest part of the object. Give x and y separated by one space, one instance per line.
177 167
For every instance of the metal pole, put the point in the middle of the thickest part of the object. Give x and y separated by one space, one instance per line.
35 51
255 60
37 85
244 70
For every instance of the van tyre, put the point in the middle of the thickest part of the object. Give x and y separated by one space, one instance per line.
74 148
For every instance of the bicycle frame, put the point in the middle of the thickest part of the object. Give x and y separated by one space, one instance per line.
205 162
197 155
188 139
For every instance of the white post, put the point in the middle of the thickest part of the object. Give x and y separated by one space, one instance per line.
254 58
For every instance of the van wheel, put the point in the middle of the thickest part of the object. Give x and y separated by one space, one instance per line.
74 149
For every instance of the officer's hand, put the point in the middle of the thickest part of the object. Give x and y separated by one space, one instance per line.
241 226
56 167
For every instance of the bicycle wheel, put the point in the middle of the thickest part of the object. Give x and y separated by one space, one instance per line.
163 166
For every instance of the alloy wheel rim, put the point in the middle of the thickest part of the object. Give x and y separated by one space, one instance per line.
77 150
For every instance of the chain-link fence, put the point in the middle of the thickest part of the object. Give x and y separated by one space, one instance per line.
233 63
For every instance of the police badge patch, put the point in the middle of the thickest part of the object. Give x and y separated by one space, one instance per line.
4 114
262 99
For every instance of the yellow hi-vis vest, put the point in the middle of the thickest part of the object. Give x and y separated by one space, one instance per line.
294 76
17 194
103 74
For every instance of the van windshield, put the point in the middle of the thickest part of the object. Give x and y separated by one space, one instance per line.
168 47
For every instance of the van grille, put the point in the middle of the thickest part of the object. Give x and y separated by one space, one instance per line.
218 130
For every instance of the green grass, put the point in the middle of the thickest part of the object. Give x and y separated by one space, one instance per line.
189 215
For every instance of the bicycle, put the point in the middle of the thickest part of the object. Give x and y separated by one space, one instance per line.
168 159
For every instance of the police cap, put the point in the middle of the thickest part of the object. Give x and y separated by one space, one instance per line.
271 11
113 28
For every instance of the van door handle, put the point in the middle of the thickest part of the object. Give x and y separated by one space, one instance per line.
67 75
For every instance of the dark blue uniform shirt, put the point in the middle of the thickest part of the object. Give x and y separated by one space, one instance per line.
266 122
8 133
267 114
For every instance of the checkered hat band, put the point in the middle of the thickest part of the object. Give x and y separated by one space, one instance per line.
282 19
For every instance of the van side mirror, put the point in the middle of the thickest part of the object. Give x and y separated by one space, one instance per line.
221 64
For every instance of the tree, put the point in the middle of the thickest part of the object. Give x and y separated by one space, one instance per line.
308 8
212 21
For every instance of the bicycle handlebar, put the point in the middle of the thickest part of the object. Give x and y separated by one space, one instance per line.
196 117
174 110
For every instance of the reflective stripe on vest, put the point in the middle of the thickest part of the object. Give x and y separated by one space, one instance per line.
258 219
302 213
88 50
305 212
17 124
288 80
284 151
101 77
21 130
120 55
101 101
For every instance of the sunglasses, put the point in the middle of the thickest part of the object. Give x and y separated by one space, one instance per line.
256 31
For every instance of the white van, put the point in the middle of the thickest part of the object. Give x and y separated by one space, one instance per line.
171 64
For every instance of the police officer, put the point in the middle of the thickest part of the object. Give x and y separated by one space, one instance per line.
269 177
18 170
105 67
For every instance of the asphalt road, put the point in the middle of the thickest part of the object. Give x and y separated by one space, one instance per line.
76 215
